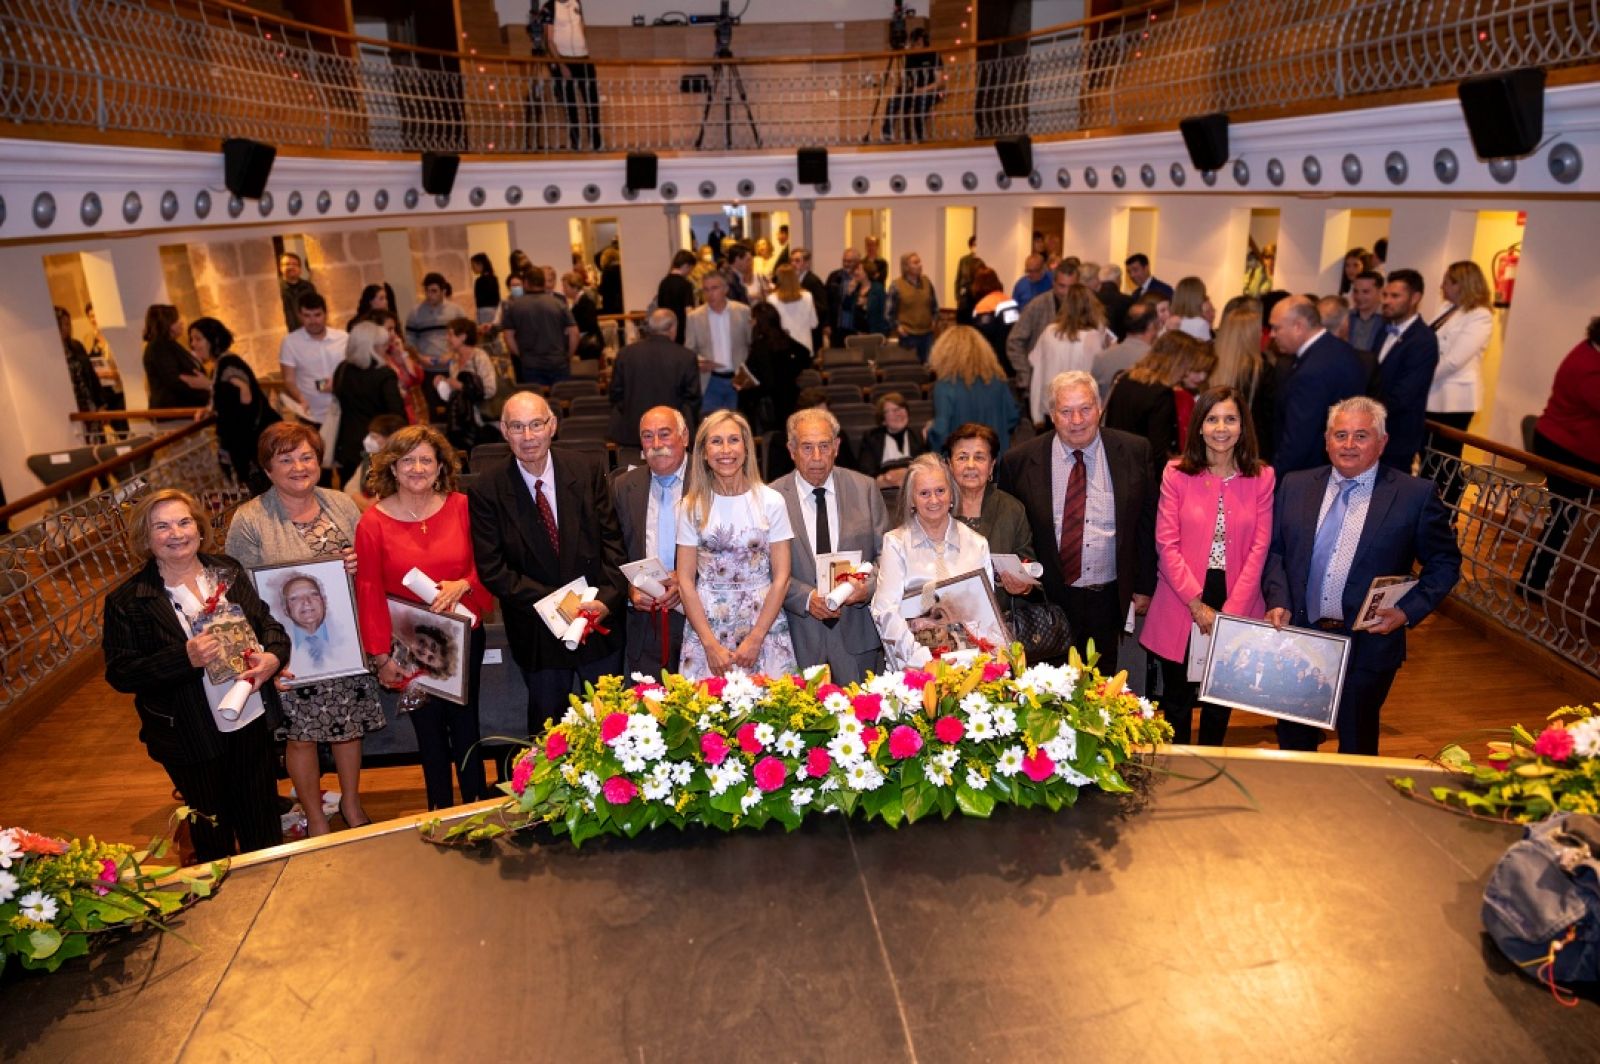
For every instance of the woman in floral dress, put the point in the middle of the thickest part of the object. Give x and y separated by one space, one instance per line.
733 557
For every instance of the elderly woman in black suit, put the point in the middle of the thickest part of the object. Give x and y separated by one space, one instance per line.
888 449
219 760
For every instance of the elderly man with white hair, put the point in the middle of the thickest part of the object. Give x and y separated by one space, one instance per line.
655 370
646 500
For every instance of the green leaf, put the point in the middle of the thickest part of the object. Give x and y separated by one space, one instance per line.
974 803
917 799
893 808
43 943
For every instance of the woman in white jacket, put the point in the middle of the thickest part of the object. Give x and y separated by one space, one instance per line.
1463 327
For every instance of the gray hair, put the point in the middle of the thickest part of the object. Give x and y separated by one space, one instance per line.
811 413
926 463
361 348
662 322
1333 311
1361 404
1112 273
678 419
1074 378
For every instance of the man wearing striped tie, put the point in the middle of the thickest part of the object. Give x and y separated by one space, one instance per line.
1335 529
1089 492
646 499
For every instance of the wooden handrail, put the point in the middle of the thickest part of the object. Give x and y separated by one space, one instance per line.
1532 461
168 413
88 476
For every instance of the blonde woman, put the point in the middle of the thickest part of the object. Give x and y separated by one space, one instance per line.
1462 326
1143 400
765 259
971 387
1238 350
794 306
1191 310
733 557
1073 341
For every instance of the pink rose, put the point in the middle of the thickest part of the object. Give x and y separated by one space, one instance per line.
107 877
714 748
904 742
642 689
770 772
798 680
869 736
520 776
994 670
1038 766
620 790
1555 742
828 689
713 685
949 730
818 762
916 679
867 707
747 738
555 744
614 725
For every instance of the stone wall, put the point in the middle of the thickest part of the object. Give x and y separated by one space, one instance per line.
341 265
443 249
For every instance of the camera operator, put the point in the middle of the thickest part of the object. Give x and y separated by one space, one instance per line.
919 87
557 30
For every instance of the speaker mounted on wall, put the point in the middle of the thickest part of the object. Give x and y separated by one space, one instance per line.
1016 155
1504 112
246 165
641 170
1206 137
439 172
811 166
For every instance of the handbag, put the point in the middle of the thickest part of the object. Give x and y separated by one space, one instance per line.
1041 628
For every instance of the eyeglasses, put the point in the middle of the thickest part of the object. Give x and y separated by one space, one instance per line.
522 428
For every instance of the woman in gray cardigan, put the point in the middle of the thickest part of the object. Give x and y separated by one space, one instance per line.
297 521
995 515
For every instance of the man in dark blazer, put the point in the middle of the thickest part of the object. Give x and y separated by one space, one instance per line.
830 509
1109 291
1408 353
646 500
654 370
676 292
1318 370
1139 276
540 521
800 259
1106 558
1385 522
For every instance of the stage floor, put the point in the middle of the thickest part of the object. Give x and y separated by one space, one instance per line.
1337 921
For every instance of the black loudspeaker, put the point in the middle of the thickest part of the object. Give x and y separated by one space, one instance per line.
439 172
1504 112
1206 137
1016 155
246 165
812 164
641 170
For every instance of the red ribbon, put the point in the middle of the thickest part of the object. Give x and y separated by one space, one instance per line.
215 600
593 626
666 632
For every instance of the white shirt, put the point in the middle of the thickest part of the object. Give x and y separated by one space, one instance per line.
1303 348
1198 328
652 511
188 608
567 37
547 482
798 318
1053 354
312 362
1099 514
1390 339
808 508
908 561
720 324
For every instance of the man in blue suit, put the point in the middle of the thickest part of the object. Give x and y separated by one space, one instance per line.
1335 530
1139 276
1408 353
1321 370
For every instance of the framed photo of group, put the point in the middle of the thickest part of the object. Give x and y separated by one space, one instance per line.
1294 674
316 604
957 613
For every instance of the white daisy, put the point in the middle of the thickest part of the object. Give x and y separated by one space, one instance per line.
847 749
980 726
38 906
741 691
751 799
947 758
801 797
936 775
765 734
975 779
8 887
1005 721
974 703
849 725
830 785
790 744
640 677
682 772
655 790
1010 762
1147 708
590 782
9 850
1072 775
1585 740
717 778
800 772
1064 747
838 703
634 764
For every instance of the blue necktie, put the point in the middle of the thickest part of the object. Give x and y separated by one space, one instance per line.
1322 550
666 522
1391 330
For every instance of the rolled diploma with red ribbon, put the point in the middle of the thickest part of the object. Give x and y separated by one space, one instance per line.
577 631
843 589
421 585
649 585
232 703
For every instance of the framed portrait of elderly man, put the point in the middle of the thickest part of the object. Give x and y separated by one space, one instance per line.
431 648
1294 674
315 602
956 613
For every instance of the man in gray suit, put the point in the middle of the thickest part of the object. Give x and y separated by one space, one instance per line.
646 500
719 333
830 510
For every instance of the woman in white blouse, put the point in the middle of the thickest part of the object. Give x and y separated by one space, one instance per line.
929 546
795 306
1073 342
1463 328
1192 311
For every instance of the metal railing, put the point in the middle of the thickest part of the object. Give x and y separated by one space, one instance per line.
56 572
213 68
1529 531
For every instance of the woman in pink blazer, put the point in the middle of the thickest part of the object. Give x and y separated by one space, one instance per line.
1213 529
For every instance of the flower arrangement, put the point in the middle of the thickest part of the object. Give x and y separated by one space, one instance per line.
56 893
743 751
1527 777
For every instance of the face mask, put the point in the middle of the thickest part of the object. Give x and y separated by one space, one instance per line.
372 444
516 290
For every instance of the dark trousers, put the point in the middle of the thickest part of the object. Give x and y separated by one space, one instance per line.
919 344
575 87
1361 701
1449 476
1566 492
547 696
238 788
448 733
1095 614
1178 693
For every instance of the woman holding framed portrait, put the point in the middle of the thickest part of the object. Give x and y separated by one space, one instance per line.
328 696
929 551
1213 529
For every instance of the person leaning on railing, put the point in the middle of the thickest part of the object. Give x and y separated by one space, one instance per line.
1568 432
219 761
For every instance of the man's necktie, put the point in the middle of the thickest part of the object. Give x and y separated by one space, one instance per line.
666 522
1072 514
1322 551
823 538
547 515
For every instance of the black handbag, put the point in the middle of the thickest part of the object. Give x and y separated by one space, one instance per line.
1041 628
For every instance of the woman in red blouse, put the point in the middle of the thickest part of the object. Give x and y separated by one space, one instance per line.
420 521
1567 432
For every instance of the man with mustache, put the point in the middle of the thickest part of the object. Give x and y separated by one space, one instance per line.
646 501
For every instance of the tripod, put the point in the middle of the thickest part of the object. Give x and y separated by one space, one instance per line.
725 82
892 82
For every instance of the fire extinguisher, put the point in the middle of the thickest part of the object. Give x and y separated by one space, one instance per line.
1505 273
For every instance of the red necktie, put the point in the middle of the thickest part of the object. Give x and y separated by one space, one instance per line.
1072 513
547 515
